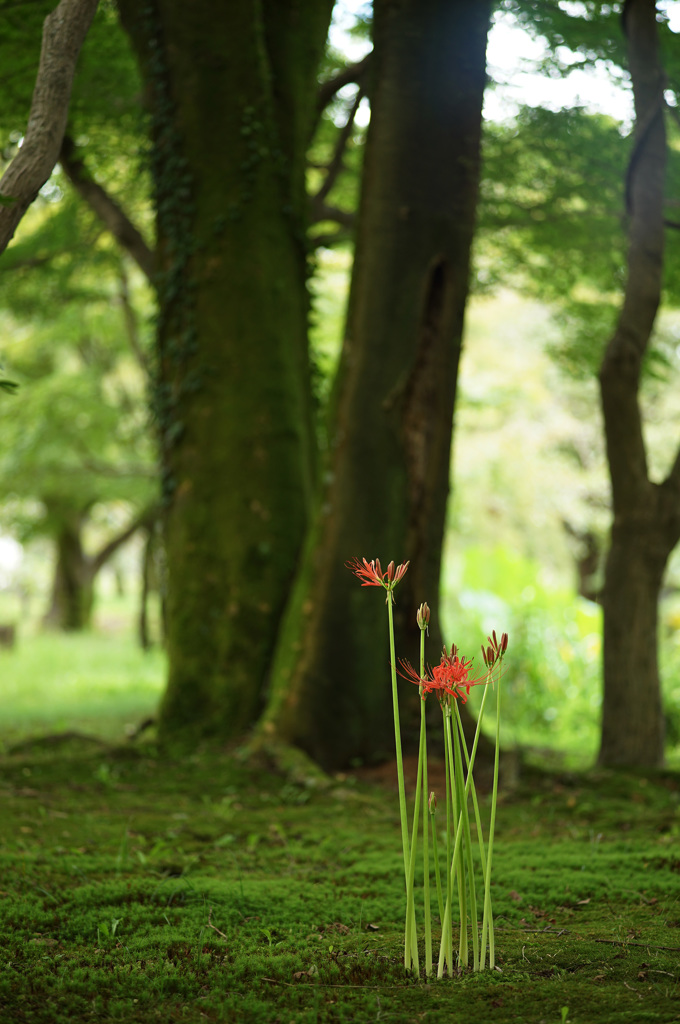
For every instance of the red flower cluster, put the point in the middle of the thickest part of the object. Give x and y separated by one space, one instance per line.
371 574
450 678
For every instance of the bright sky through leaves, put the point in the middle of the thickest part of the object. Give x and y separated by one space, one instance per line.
513 57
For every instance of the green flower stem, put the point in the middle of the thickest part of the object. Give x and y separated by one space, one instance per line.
471 784
446 940
410 936
422 760
422 787
456 796
453 866
437 876
445 949
487 922
467 840
446 926
400 763
475 803
397 743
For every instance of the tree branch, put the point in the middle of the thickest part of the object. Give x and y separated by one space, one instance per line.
673 478
147 518
107 209
18 3
335 166
64 32
670 496
322 211
328 239
329 88
131 326
123 472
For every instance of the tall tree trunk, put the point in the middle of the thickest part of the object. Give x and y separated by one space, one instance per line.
232 90
387 476
646 523
632 726
72 596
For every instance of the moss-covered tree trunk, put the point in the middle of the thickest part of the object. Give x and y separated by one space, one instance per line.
231 90
387 477
646 524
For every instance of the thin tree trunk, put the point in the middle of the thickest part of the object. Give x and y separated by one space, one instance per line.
632 725
646 522
232 92
143 621
387 477
64 32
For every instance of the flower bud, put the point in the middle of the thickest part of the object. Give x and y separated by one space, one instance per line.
504 643
401 571
432 803
423 616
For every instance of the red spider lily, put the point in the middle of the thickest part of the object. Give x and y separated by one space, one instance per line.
453 673
371 574
450 678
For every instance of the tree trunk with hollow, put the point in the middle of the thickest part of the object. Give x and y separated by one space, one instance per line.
386 479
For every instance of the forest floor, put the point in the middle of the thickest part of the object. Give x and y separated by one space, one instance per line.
142 889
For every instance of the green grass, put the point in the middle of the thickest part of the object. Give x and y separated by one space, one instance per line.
92 682
136 888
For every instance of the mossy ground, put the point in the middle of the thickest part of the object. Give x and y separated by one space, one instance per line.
137 888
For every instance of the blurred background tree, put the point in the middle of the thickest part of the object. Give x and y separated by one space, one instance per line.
78 440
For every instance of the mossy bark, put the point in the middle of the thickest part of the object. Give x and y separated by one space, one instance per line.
231 90
646 524
387 475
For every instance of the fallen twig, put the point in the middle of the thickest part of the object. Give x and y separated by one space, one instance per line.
214 928
644 945
611 942
325 984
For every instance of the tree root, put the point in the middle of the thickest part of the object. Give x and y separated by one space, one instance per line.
282 759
